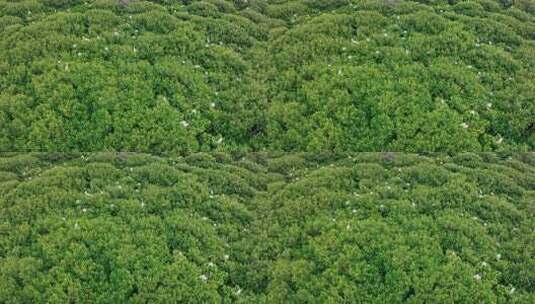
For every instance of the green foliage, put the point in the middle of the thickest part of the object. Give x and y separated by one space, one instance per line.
391 77
97 76
305 75
267 228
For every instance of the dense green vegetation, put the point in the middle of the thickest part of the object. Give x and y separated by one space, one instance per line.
251 112
267 228
308 75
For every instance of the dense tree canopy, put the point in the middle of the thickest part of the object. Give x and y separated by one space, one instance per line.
252 114
267 228
307 75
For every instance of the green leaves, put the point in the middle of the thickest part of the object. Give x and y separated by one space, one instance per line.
369 227
324 76
290 75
